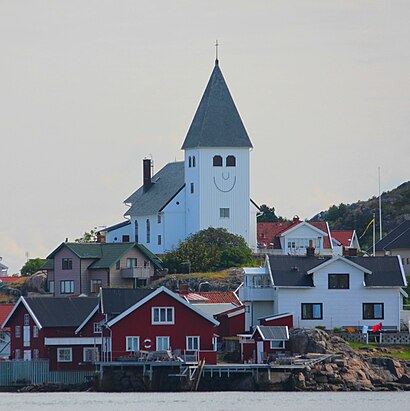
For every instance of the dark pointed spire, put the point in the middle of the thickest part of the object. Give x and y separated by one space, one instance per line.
216 53
217 122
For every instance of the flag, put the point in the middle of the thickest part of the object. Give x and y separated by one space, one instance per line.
368 226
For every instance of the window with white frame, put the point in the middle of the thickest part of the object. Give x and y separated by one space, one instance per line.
17 331
35 331
97 328
90 354
224 212
276 345
95 286
162 315
163 344
51 287
64 354
132 343
26 319
67 286
192 343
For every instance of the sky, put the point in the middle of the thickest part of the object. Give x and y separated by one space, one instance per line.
88 88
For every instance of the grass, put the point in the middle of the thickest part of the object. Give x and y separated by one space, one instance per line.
401 352
217 275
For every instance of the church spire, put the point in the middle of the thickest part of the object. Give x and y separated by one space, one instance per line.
216 53
217 122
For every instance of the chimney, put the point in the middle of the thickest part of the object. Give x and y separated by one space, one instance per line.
296 219
100 237
146 168
183 289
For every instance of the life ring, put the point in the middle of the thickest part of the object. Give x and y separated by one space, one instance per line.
147 343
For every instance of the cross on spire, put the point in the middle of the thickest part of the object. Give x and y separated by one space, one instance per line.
216 53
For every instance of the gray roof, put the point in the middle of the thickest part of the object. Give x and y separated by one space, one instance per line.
217 122
116 226
273 333
291 271
116 300
61 312
398 238
168 182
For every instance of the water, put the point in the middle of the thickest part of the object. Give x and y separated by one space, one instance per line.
211 401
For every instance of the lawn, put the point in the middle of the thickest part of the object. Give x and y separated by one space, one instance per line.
396 351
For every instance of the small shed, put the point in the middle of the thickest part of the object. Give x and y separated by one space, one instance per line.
269 340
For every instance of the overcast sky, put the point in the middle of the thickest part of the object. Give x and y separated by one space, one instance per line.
89 88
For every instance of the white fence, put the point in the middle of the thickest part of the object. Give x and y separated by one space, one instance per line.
20 373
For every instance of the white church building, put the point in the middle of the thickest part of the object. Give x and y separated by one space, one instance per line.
210 188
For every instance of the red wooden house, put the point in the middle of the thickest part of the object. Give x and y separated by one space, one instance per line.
44 328
231 322
162 320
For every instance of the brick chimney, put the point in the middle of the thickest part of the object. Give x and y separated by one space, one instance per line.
352 252
296 219
183 289
146 168
310 251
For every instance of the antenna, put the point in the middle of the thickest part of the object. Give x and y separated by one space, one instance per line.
216 52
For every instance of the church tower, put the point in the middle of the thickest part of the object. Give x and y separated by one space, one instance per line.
217 165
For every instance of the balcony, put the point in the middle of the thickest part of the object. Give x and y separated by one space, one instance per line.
136 272
256 294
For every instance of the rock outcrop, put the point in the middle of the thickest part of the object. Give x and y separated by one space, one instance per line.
346 369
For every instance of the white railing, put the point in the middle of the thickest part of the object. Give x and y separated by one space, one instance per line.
136 272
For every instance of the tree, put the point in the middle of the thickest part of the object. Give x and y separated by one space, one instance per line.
209 250
88 237
268 215
31 266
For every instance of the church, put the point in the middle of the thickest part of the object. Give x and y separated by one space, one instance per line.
210 188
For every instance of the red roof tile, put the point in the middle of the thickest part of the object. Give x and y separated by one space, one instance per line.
8 279
212 297
5 310
343 236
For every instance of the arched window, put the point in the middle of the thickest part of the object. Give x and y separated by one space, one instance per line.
136 230
231 161
148 231
217 161
193 161
189 162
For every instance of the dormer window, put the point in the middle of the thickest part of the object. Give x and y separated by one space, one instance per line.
231 161
217 161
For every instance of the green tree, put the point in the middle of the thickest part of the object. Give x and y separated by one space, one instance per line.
88 237
268 215
31 266
209 250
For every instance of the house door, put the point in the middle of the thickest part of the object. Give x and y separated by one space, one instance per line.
27 355
259 352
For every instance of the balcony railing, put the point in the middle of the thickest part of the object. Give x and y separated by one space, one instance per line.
136 272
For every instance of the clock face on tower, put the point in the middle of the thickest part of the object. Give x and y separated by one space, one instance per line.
224 173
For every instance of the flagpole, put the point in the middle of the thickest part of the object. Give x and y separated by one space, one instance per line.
374 234
380 210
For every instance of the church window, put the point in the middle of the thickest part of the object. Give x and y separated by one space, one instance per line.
224 212
193 161
192 188
189 162
217 162
159 218
148 231
231 161
136 230
159 239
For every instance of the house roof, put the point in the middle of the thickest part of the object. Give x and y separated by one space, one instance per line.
272 333
212 297
154 294
5 310
343 236
104 254
8 279
293 271
166 184
217 122
398 238
116 300
232 312
57 312
215 309
116 226
270 233
3 267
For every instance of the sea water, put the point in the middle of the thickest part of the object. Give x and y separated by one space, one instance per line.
209 401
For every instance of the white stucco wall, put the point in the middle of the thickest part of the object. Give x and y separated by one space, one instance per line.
115 236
